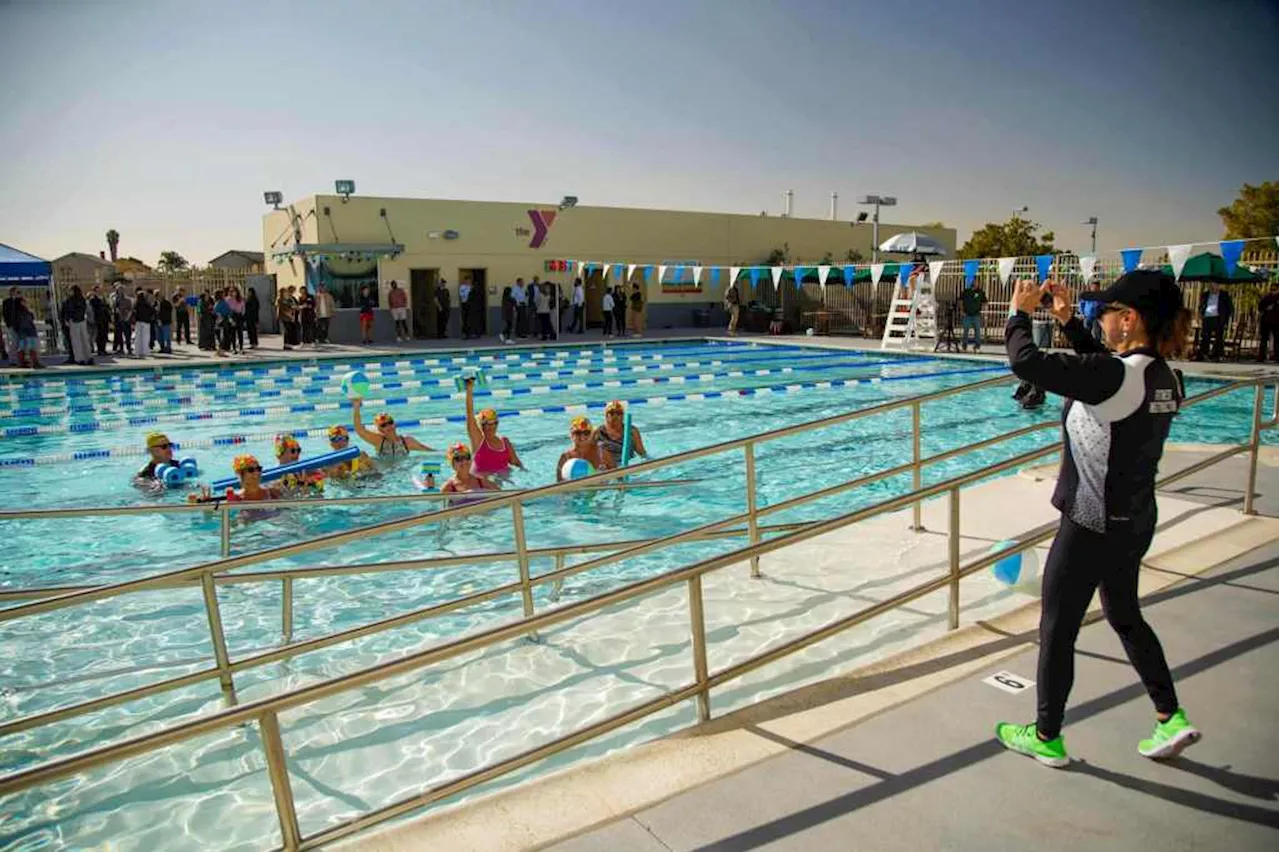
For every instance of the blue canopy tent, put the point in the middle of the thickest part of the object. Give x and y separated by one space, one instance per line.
19 269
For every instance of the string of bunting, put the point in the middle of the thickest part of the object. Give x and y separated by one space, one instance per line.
849 273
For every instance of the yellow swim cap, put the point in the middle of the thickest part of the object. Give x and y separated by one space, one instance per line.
156 439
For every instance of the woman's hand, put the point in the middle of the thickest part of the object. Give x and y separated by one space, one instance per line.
1027 295
1061 308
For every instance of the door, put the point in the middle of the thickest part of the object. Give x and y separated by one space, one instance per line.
593 284
422 301
479 314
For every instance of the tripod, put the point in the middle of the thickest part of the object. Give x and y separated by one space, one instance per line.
946 341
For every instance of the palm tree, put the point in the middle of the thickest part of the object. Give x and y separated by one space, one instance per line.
113 241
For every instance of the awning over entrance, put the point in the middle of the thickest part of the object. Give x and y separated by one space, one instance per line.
18 267
320 252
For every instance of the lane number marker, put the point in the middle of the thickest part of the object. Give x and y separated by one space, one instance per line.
1009 682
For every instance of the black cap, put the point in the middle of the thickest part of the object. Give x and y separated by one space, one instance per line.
1150 291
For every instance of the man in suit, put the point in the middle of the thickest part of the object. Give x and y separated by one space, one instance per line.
1215 316
442 309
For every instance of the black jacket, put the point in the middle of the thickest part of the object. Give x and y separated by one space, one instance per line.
1117 416
1225 307
74 308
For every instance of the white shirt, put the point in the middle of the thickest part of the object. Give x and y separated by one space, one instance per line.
1211 306
578 297
464 292
607 302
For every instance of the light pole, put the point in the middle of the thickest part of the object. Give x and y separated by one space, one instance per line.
1092 222
877 201
1018 211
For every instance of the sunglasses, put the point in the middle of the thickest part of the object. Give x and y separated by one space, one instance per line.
165 446
457 459
251 470
576 432
339 439
385 423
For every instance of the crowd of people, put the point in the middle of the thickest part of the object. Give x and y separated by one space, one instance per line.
483 462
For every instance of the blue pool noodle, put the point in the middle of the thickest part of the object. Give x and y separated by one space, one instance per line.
301 466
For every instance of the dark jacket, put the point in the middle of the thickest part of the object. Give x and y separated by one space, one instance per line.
74 309
101 313
1267 310
1225 307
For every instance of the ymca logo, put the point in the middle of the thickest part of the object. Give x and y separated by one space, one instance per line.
542 221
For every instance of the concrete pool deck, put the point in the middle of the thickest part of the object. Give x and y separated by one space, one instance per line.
879 757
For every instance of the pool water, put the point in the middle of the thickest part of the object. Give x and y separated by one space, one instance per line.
75 443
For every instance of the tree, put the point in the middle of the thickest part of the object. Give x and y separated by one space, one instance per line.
854 256
779 256
933 225
171 261
1016 238
113 243
1253 213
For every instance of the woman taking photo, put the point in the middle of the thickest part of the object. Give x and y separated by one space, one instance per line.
1121 398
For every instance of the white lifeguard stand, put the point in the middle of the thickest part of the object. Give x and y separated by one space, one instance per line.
912 316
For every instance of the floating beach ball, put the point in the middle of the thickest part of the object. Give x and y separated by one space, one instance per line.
575 469
1017 569
355 385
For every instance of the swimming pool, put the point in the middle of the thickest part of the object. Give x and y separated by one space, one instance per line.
68 443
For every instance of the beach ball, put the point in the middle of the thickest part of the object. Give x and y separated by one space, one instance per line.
575 469
355 385
1017 569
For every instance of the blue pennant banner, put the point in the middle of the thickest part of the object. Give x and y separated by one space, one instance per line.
970 271
715 276
798 275
755 276
1231 251
1130 257
1044 262
849 272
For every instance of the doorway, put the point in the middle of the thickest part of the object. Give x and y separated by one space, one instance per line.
593 286
475 313
422 301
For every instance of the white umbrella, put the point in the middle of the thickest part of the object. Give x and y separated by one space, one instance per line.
912 243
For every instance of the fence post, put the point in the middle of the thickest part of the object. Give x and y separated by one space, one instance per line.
698 629
1255 436
218 637
225 514
281 790
522 559
915 464
953 558
286 610
753 522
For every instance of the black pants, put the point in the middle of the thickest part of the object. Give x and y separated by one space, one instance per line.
251 326
442 323
578 324
522 320
508 322
1215 328
1266 332
608 323
102 331
183 334
1080 562
124 337
544 327
322 331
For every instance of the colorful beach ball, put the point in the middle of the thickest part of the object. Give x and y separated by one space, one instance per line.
1018 569
355 385
575 469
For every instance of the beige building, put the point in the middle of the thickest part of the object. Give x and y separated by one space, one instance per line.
249 261
348 244
80 268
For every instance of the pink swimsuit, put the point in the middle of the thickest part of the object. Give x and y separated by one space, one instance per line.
488 461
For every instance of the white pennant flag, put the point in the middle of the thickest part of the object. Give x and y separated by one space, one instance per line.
935 271
662 273
631 268
580 267
877 272
733 275
1178 258
776 272
604 271
1005 267
823 272
1087 264
697 275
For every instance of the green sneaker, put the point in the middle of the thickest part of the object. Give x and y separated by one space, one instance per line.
1170 737
1023 740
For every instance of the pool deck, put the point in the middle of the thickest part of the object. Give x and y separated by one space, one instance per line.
270 350
899 754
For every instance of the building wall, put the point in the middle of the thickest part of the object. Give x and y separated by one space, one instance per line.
81 269
497 237
235 261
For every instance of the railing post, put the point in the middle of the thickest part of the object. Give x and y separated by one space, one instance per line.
953 558
218 637
698 629
226 530
522 559
558 584
753 521
1255 436
278 772
286 610
915 464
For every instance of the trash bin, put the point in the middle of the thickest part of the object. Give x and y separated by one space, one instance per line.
701 318
1042 333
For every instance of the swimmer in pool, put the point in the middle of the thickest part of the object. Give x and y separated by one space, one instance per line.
251 488
494 455
386 442
609 434
463 479
161 451
584 447
339 440
305 484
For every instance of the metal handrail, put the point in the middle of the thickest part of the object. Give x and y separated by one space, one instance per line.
266 711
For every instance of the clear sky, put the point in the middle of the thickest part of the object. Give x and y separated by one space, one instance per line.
167 120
